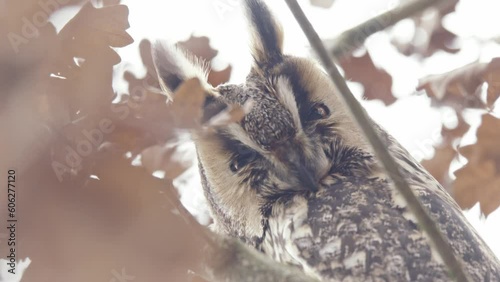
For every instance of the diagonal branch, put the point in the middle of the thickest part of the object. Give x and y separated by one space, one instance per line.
351 39
425 222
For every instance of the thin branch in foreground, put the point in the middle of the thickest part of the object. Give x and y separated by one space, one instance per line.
351 39
424 220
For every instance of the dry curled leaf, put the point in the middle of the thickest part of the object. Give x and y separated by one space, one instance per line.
108 24
233 113
451 134
479 179
188 102
200 47
376 81
150 81
439 165
461 88
444 153
140 122
96 29
161 158
492 77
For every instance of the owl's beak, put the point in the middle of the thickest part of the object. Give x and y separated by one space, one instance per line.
306 178
292 158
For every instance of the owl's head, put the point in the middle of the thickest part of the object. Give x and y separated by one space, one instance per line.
297 136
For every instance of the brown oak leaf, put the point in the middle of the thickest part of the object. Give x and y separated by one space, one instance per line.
200 47
461 88
439 165
188 102
479 179
376 81
161 158
150 81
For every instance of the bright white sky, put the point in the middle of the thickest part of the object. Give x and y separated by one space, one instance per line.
411 119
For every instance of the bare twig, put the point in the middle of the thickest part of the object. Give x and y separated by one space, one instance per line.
424 220
351 39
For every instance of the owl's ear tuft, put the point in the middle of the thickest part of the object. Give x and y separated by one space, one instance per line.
267 33
174 66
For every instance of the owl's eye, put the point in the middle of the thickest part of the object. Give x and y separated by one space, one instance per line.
319 111
243 157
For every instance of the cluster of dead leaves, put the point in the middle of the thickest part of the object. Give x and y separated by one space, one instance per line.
73 140
460 89
430 35
377 82
479 180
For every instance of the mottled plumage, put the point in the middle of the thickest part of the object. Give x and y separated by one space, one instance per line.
297 180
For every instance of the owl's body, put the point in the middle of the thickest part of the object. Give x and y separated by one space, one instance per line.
358 230
297 180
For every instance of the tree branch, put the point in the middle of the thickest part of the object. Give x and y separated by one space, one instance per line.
235 261
351 39
424 220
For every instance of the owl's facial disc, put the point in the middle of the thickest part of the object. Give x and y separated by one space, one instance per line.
279 146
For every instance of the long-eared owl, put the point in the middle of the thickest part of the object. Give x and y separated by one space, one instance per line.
296 179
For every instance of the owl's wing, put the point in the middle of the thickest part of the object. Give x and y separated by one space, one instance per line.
355 230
